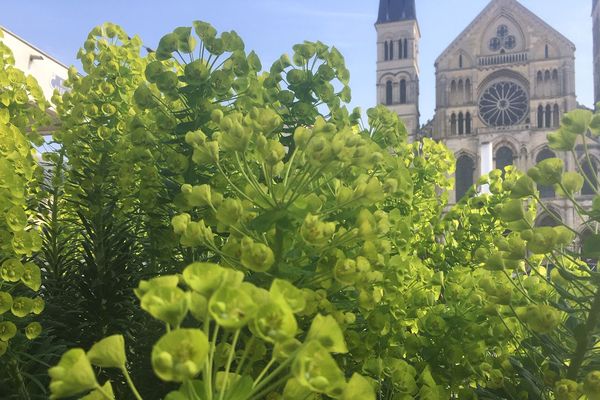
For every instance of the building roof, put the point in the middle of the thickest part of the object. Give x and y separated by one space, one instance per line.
396 10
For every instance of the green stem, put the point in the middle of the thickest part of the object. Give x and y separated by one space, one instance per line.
131 384
585 338
103 393
236 336
264 371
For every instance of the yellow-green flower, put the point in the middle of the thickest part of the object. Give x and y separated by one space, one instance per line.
232 307
109 352
6 302
8 330
12 270
168 304
315 369
22 306
32 276
72 375
180 355
33 330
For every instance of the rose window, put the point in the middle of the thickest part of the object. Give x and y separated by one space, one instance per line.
503 104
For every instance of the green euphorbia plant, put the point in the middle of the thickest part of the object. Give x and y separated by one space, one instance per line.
224 339
22 113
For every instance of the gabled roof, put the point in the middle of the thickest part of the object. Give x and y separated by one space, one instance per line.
396 10
523 12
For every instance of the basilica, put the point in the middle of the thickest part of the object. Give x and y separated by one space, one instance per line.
501 86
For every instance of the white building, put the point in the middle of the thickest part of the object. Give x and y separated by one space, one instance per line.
47 70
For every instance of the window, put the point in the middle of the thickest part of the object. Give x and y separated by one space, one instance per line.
468 124
540 116
549 220
547 75
403 91
405 48
461 124
453 88
556 116
590 184
468 89
548 116
453 124
546 52
555 75
546 192
386 51
400 48
391 49
389 91
460 61
540 76
504 157
504 103
464 175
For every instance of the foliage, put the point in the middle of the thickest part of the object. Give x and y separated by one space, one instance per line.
22 113
280 248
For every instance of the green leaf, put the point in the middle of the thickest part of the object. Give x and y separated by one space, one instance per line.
109 352
327 331
358 388
577 121
591 247
98 395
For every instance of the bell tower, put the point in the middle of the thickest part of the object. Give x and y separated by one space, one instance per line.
398 38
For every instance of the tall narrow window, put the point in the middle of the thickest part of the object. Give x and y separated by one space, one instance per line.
468 123
555 75
590 185
540 116
548 116
400 48
403 91
461 90
460 61
391 49
453 124
465 166
461 124
540 76
468 89
556 116
547 75
386 51
546 52
504 157
546 192
405 48
389 91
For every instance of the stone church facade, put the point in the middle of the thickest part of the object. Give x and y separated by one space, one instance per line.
501 86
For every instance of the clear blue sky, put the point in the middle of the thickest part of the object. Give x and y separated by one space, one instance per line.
271 27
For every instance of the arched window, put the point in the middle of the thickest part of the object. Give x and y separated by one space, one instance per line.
546 52
546 192
464 175
540 76
453 124
389 91
590 171
386 51
556 116
460 61
468 123
403 91
468 89
547 75
391 49
540 116
548 116
400 52
504 157
405 48
461 124
549 220
453 87
555 75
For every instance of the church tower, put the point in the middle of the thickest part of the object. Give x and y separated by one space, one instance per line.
398 38
596 18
